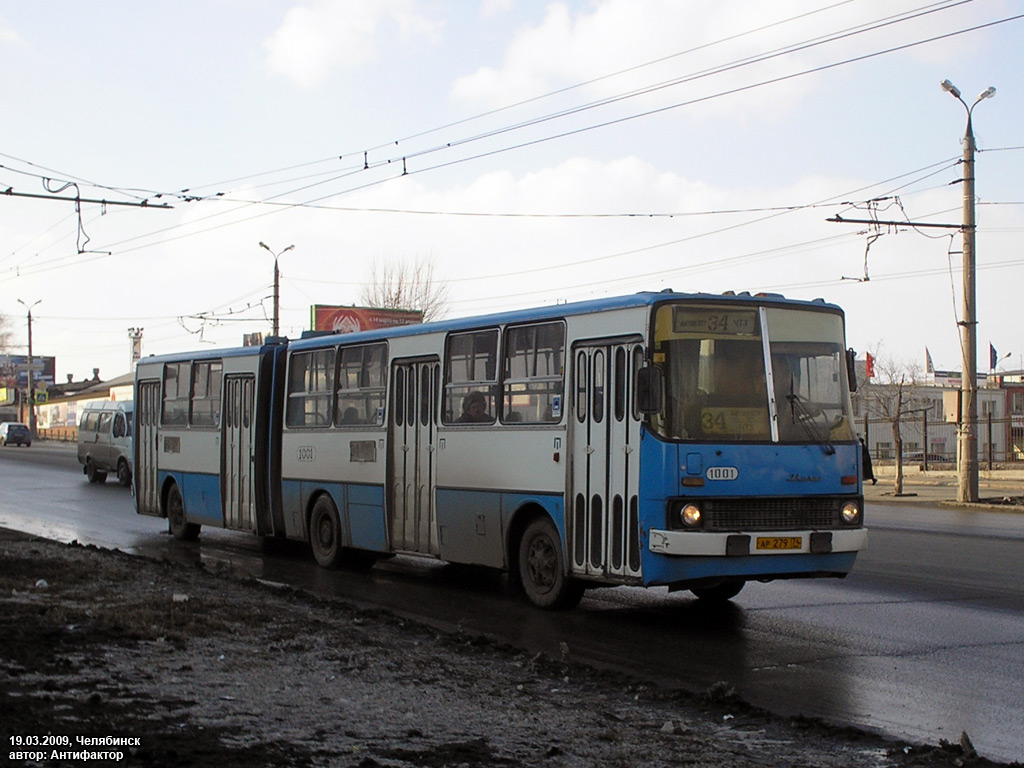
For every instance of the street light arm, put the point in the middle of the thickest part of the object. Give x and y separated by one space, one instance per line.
275 255
953 91
988 93
275 326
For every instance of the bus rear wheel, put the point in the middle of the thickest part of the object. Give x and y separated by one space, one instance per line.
542 568
325 533
720 593
179 527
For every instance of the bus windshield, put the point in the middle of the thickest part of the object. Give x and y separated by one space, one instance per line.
751 374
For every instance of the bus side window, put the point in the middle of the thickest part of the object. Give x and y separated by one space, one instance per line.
174 410
311 388
206 385
471 382
361 375
534 368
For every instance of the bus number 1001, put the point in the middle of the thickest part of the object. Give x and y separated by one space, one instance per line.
722 473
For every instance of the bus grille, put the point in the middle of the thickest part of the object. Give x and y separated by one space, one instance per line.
771 514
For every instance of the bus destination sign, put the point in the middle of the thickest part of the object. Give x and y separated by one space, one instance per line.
702 321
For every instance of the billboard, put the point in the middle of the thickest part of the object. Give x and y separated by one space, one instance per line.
335 319
14 370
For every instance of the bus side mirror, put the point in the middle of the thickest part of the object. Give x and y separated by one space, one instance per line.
650 390
851 368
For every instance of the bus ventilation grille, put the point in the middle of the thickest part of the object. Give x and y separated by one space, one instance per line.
772 514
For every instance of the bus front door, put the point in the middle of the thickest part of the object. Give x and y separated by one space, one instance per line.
412 456
147 448
603 525
236 464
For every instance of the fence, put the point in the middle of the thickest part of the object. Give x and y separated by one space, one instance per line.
928 441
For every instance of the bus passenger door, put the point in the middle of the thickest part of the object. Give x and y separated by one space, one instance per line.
147 448
412 456
603 526
236 466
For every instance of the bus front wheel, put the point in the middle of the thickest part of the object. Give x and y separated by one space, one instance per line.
542 569
179 527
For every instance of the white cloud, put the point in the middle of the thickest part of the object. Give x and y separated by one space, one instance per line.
9 36
492 8
319 36
654 41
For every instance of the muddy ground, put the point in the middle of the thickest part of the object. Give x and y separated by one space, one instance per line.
207 669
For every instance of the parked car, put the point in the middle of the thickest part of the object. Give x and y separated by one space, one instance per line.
918 458
105 441
15 432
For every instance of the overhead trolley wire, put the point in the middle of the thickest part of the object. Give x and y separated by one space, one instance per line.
571 132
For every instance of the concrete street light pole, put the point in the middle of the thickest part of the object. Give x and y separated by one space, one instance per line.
31 389
277 287
967 438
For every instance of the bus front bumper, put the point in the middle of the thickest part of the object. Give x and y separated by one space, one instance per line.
725 544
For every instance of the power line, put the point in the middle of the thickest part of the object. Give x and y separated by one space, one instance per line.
797 47
524 102
761 58
576 131
402 159
9 192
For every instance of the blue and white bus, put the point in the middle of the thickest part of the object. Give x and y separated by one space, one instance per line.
694 441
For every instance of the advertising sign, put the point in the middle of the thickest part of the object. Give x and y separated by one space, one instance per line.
14 370
335 319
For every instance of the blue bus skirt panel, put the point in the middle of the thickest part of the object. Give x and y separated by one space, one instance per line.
360 509
200 493
472 524
662 570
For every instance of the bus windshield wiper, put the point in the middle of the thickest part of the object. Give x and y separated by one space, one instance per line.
802 414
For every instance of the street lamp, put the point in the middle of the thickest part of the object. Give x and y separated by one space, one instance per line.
967 439
28 377
277 285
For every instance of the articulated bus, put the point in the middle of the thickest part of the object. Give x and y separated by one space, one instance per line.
693 441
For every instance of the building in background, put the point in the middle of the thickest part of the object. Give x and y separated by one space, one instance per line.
928 423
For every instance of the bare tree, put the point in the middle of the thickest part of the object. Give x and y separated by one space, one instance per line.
893 397
5 333
407 285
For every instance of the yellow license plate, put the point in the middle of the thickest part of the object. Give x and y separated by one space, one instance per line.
780 542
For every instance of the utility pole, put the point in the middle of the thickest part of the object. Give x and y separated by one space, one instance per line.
967 435
29 374
277 287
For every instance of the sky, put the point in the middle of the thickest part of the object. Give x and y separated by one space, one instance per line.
533 152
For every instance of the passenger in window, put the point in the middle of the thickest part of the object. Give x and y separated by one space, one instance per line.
474 409
350 416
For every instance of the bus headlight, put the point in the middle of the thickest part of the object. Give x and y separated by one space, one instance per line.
851 513
690 516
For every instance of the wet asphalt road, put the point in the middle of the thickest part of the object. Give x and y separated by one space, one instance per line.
923 641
